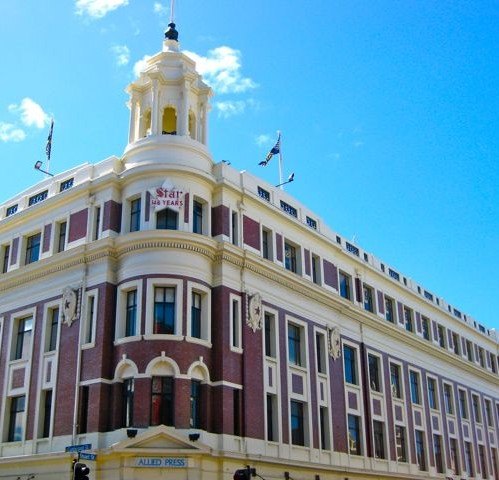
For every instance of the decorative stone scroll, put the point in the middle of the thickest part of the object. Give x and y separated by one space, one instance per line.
254 312
334 342
69 305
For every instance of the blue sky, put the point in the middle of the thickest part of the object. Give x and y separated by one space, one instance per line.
389 112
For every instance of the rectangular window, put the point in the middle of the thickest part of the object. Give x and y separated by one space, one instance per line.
374 373
236 323
236 412
454 456
290 257
16 419
345 285
235 229
32 248
297 426
267 244
272 418
167 219
469 350
164 310
135 208
47 413
476 408
128 389
61 237
285 207
481 357
368 299
432 393
195 420
270 335
53 318
448 399
324 430
354 445
5 261
162 401
468 459
441 335
389 313
196 315
294 345
83 413
493 361
437 449
425 325
350 364
456 343
420 450
400 442
488 413
483 462
89 335
38 197
96 232
395 380
197 217
316 269
463 404
379 440
408 319
262 193
320 350
415 389
131 313
11 210
23 339
66 184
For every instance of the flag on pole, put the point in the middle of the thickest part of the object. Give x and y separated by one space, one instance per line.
48 148
273 151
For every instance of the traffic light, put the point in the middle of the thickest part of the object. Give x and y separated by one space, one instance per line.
244 473
80 471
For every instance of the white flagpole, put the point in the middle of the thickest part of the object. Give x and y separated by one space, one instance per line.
172 11
281 180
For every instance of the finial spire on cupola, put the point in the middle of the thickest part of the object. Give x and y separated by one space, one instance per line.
171 34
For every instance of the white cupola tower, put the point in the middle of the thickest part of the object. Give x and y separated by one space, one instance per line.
169 105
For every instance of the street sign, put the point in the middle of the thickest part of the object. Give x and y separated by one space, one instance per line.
79 448
88 456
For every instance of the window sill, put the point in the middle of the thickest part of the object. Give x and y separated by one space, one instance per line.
199 341
88 346
236 349
163 336
132 338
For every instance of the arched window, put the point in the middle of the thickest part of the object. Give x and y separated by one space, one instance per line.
169 124
167 220
192 125
145 124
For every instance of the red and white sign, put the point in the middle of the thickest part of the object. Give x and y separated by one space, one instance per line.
167 196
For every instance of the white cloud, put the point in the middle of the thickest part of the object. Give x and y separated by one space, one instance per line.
98 8
140 65
221 69
122 53
31 113
229 108
10 133
160 9
262 139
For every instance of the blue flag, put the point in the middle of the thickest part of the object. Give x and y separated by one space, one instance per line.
273 151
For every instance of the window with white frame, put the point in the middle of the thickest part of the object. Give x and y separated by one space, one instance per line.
235 323
128 308
23 334
199 309
316 269
61 236
90 317
5 257
270 334
51 328
296 345
199 217
235 228
164 307
32 248
135 205
96 222
267 244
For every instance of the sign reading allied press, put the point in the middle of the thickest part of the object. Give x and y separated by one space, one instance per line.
161 462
